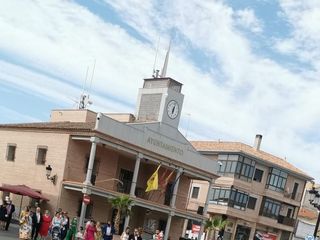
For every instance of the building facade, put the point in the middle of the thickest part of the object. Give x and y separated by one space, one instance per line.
101 156
308 215
258 194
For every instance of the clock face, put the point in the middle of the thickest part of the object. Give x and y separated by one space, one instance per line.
173 109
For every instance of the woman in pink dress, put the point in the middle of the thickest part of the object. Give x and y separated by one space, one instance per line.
46 222
90 231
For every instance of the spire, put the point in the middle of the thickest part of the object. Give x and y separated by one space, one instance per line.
165 65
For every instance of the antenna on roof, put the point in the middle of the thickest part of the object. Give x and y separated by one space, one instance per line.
84 97
155 72
165 65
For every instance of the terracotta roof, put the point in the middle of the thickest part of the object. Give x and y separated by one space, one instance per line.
307 213
220 146
83 126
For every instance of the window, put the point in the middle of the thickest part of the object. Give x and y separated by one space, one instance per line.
41 155
245 168
11 152
195 192
270 208
277 180
238 199
258 174
252 203
238 166
294 191
229 197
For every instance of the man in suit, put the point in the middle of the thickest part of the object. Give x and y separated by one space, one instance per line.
135 235
36 223
10 211
108 231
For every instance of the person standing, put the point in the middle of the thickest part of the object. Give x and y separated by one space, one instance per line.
36 223
108 231
65 225
25 224
90 231
45 224
125 234
71 235
10 210
3 213
98 235
135 235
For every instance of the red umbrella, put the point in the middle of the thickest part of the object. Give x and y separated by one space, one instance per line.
22 190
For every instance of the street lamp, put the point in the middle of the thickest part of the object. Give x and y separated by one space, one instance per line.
315 201
48 174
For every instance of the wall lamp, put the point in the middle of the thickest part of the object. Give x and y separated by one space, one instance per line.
53 178
315 202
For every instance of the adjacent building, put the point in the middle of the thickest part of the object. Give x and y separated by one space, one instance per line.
258 193
308 215
100 156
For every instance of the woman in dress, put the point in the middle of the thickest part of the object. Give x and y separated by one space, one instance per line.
56 220
90 231
25 224
44 227
125 234
72 230
98 234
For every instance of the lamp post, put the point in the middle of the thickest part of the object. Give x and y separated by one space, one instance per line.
315 201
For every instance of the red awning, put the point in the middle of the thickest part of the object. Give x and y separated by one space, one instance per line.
22 190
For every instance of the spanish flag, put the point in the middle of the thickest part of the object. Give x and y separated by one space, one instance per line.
152 183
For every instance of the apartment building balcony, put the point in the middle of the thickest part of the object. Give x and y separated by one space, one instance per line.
286 220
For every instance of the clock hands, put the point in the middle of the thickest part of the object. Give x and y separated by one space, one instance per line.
173 109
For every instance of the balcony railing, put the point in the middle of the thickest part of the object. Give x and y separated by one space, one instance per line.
286 220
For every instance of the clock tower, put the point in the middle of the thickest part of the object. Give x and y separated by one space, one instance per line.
160 100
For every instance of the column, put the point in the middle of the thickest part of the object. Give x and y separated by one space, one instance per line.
133 185
205 208
87 183
172 203
166 232
175 188
135 175
253 230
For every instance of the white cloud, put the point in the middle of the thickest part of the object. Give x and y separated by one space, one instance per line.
247 19
255 94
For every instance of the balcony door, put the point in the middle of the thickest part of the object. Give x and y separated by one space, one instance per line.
126 177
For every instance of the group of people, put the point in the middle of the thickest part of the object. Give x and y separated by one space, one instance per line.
35 225
96 231
6 211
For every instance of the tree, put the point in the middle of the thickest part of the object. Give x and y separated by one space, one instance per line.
215 224
122 204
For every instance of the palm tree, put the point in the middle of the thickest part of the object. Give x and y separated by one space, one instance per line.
215 224
122 204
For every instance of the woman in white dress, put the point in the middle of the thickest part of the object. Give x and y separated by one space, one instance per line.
125 234
25 224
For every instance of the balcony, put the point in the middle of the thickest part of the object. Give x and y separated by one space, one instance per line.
286 221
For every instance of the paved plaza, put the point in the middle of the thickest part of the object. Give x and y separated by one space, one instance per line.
12 233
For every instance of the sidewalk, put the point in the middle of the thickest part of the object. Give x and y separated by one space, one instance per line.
12 233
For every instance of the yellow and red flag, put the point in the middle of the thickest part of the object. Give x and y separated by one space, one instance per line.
152 183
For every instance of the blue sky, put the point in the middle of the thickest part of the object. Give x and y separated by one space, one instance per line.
247 66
